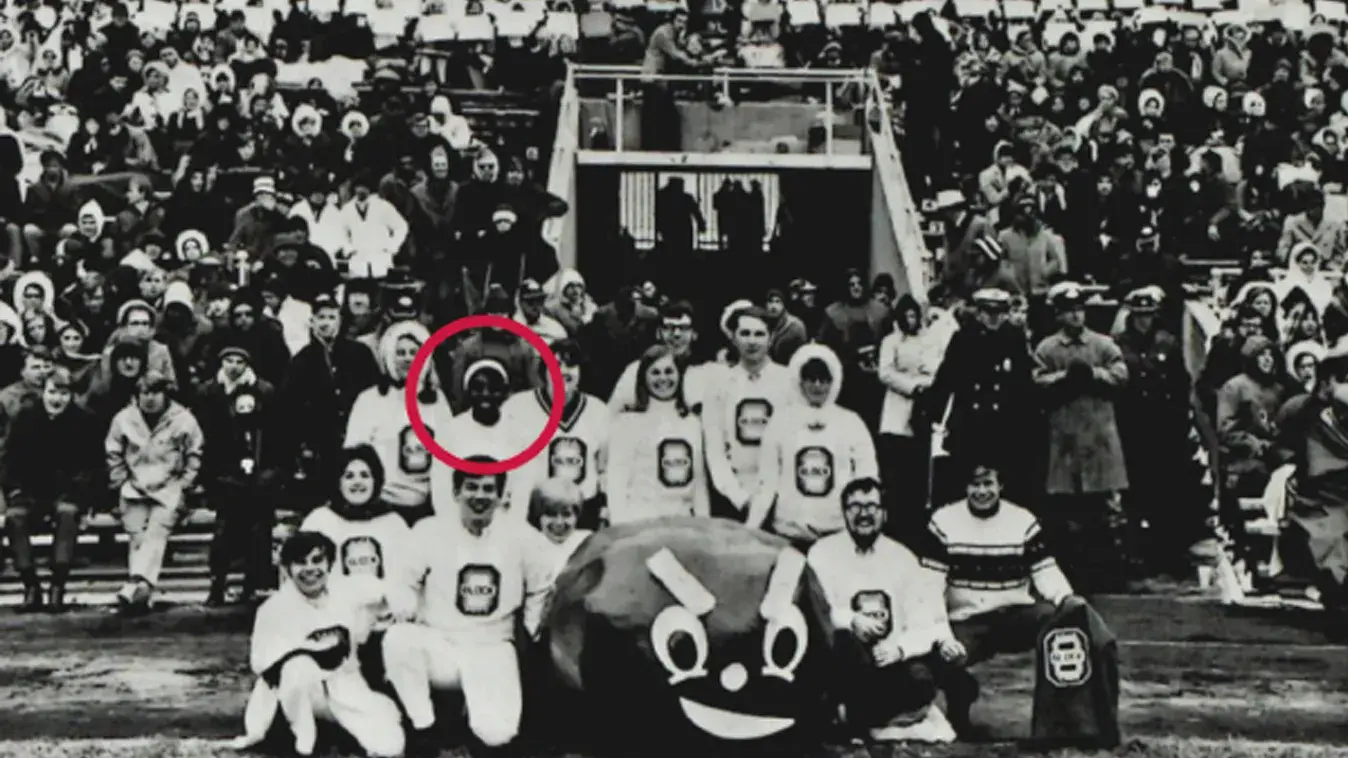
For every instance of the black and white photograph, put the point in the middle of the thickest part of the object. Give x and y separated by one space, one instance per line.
780 378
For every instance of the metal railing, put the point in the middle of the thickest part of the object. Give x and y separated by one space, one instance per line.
727 84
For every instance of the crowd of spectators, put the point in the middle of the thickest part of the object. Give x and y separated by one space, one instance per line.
181 213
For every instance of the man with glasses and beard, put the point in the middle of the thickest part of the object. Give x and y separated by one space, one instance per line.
154 449
889 617
472 577
51 460
678 333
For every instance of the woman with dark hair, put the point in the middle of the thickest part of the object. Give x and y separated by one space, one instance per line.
655 464
366 531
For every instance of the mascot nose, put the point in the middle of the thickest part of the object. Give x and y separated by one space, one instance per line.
734 677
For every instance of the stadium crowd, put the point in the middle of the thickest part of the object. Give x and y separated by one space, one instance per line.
218 288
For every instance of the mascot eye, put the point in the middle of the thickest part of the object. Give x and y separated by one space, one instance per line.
784 644
680 644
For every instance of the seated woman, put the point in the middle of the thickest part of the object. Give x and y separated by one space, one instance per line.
303 652
1246 407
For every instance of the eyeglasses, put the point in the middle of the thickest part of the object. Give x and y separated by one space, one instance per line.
862 506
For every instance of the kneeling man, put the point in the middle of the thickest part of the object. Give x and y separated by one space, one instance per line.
1002 583
303 650
472 572
890 620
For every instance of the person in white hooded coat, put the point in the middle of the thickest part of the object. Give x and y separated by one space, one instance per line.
810 452
379 419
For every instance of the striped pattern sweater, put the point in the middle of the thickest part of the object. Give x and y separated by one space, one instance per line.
993 562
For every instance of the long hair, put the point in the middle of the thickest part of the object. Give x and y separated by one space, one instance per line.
643 394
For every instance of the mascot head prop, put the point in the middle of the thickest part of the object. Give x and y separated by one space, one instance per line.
692 632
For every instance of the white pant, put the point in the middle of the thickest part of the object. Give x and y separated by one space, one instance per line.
148 524
371 264
307 693
419 658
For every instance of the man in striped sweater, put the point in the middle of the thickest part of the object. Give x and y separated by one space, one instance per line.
1002 583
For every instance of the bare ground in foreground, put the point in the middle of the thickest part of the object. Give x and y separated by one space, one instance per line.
1199 682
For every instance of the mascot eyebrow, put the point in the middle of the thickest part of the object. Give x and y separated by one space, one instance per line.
688 590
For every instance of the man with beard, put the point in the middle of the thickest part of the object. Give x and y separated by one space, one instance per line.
677 331
1001 581
51 458
889 617
788 331
318 391
474 577
981 396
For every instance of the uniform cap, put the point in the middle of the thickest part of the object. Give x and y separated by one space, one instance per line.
1143 300
1065 295
992 297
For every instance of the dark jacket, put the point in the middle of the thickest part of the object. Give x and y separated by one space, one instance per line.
50 458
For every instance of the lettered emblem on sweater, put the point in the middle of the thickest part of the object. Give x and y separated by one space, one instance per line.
362 556
567 459
814 471
751 418
676 462
1067 659
413 457
875 605
479 592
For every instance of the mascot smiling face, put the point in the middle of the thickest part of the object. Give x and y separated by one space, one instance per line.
689 633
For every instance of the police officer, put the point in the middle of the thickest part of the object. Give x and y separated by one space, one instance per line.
1153 415
983 400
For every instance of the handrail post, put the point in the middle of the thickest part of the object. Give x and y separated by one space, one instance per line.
621 126
828 112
